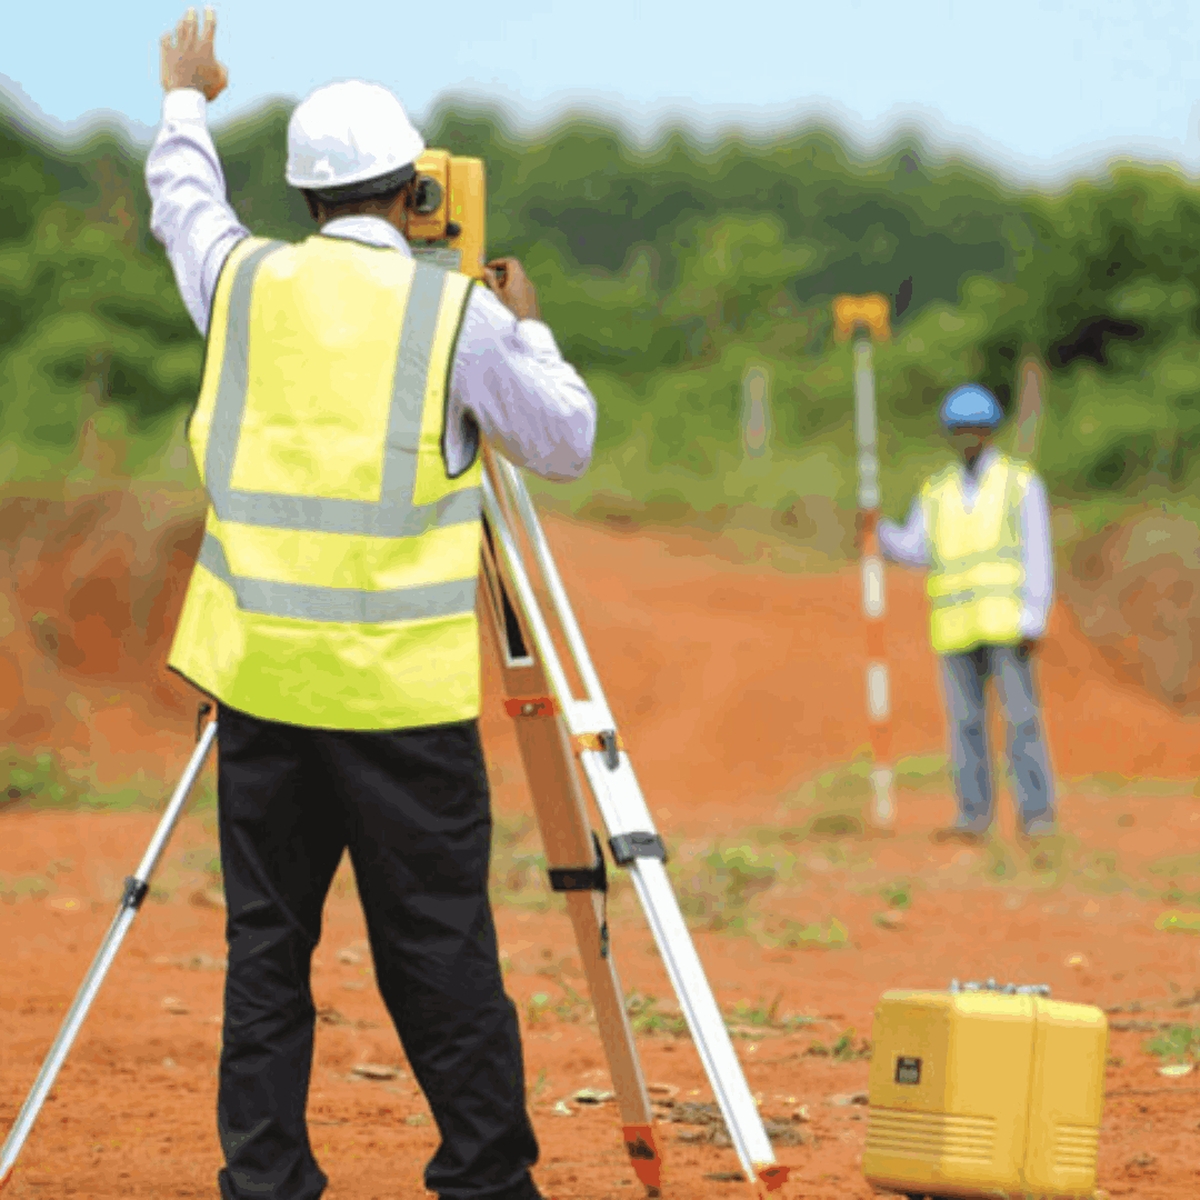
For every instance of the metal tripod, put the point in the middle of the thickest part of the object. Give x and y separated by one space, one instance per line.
556 730
136 887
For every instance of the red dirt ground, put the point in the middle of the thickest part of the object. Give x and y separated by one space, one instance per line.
733 684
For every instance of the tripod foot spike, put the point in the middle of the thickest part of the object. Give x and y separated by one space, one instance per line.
773 1177
644 1157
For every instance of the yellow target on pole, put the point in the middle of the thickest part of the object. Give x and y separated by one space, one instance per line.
872 312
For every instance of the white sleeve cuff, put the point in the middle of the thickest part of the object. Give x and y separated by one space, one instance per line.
184 104
537 336
1033 623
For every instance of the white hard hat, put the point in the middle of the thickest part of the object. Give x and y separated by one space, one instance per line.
346 133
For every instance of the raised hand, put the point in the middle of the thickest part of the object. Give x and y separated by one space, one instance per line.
188 60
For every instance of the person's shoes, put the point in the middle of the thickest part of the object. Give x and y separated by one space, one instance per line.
960 833
1039 829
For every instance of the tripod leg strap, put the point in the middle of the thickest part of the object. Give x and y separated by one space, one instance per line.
586 879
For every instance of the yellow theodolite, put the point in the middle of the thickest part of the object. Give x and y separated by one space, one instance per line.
447 222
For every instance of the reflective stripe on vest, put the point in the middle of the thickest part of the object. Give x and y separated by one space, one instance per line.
976 574
295 570
307 602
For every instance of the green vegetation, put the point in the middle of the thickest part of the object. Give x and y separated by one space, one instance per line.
38 781
743 1019
897 894
45 782
794 935
645 1016
664 274
1179 1044
843 1049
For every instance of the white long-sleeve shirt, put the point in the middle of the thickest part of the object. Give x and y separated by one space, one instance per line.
910 543
509 381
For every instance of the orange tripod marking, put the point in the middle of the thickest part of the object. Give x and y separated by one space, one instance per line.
644 1156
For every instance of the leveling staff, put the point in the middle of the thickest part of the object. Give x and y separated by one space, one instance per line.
331 612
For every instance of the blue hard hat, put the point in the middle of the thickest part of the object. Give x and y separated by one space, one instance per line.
971 405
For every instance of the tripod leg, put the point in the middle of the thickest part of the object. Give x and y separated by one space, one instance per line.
573 856
136 887
627 821
623 807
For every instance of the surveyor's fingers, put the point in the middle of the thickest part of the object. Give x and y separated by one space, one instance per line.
210 29
506 270
187 30
497 275
516 292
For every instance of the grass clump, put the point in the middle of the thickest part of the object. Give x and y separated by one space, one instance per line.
897 894
39 781
844 1048
716 892
645 1016
519 878
14 889
1179 1044
795 935
43 781
745 1018
742 1019
919 772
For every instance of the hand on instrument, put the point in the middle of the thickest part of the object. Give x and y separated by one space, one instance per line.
506 277
188 60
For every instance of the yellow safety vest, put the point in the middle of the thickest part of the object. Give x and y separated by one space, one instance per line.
335 585
976 573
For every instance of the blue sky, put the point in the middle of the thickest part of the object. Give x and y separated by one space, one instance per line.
1050 87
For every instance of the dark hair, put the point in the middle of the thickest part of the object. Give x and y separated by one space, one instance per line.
382 187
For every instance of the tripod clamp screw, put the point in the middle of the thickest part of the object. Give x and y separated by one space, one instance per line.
608 743
134 893
202 712
626 847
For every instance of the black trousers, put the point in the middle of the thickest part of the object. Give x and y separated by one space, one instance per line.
412 806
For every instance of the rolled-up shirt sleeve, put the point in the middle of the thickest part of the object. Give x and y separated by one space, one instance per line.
511 385
190 214
908 543
1037 558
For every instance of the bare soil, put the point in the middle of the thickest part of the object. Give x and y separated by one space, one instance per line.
735 686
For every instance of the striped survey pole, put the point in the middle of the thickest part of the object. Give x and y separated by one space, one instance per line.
863 318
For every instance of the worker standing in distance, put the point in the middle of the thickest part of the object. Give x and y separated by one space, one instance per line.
331 612
982 527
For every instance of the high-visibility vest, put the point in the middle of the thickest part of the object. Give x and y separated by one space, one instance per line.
335 584
976 572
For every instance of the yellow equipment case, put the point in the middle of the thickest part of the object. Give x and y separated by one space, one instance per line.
982 1091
